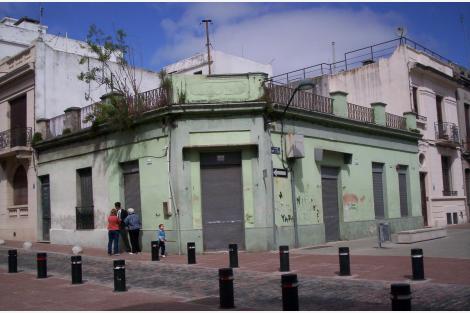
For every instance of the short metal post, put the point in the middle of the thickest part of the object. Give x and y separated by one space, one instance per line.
290 292
344 264
119 275
76 269
233 255
401 297
284 259
42 265
191 252
155 251
226 288
417 264
12 261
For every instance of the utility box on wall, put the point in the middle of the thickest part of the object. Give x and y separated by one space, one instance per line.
295 146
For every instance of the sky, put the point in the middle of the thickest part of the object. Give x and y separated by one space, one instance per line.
287 35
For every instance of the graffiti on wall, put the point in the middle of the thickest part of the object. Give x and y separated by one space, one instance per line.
287 218
351 201
308 207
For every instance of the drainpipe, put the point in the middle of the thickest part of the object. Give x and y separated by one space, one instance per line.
272 193
294 206
170 192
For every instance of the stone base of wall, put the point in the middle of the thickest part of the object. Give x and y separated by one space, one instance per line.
256 239
95 238
362 229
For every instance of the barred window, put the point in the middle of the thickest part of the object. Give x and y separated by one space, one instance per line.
85 209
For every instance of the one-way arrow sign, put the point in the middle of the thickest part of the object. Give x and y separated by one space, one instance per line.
279 172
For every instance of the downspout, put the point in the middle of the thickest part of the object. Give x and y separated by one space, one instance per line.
274 247
170 192
294 206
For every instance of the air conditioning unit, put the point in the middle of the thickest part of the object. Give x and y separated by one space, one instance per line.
295 146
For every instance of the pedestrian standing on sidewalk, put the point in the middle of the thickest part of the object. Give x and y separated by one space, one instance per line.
132 222
122 214
161 237
113 233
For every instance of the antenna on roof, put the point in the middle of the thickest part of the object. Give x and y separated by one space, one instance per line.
334 56
400 31
41 13
208 43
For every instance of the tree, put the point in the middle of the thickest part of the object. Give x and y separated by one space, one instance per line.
111 65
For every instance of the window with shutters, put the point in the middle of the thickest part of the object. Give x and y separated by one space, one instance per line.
20 187
403 189
377 186
415 99
446 176
85 210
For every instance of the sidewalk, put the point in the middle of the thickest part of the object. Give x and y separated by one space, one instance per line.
392 263
309 262
256 282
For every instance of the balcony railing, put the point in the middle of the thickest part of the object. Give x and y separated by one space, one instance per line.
449 193
16 137
395 121
360 113
447 132
302 100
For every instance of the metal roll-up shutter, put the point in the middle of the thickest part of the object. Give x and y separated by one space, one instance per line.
330 203
222 200
403 190
131 177
377 183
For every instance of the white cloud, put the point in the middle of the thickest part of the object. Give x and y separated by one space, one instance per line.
293 38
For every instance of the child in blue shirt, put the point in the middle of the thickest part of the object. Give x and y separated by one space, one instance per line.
161 237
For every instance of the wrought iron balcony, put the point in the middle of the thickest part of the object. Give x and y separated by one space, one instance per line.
447 133
16 137
449 193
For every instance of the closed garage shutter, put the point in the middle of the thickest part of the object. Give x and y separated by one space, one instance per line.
377 182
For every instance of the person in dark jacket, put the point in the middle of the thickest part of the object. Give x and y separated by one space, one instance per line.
122 214
134 225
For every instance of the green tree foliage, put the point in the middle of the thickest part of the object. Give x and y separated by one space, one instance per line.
111 65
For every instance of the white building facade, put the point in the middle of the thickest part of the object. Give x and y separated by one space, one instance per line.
221 63
410 80
38 80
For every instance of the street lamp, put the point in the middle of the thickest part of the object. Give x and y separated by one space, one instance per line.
305 84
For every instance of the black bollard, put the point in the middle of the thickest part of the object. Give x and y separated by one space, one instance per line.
233 255
401 297
344 264
76 269
12 261
155 251
417 264
290 292
42 265
284 258
191 252
226 288
119 275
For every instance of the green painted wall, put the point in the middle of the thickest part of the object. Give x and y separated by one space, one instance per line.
355 187
217 88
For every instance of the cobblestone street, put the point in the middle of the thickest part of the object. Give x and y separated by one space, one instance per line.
259 290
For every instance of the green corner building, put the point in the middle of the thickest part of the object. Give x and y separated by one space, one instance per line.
218 161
